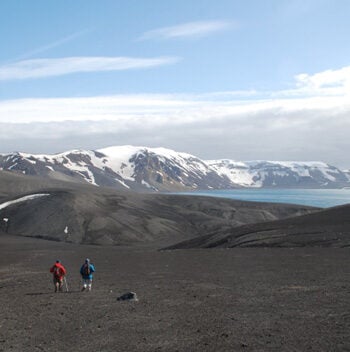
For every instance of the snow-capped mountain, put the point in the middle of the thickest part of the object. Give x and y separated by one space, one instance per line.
160 169
157 169
281 174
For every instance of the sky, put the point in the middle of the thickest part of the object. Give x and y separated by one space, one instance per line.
242 80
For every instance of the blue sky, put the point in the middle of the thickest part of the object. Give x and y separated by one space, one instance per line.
219 79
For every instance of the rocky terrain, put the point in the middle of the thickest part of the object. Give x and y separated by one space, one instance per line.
239 299
189 299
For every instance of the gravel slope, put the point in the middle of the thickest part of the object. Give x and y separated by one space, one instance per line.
325 228
193 300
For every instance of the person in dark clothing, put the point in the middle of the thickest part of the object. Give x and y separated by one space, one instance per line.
86 272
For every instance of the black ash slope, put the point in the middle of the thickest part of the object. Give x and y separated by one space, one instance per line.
87 214
324 228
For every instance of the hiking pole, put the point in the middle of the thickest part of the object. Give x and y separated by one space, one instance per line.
65 282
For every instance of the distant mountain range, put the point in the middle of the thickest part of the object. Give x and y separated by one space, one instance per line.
160 169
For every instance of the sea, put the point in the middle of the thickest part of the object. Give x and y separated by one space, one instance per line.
323 198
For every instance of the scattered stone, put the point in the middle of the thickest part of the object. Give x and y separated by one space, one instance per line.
129 296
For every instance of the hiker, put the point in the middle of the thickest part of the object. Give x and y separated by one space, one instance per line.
58 271
86 272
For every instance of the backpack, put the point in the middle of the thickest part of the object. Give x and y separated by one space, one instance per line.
86 270
57 272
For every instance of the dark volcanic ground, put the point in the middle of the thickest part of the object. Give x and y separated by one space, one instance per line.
325 228
77 213
242 299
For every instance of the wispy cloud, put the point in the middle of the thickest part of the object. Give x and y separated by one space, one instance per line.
40 68
312 93
53 44
187 30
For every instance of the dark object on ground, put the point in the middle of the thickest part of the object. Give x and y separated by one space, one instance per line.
129 296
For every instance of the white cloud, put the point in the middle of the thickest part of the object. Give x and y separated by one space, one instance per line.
39 68
312 93
330 81
190 29
309 122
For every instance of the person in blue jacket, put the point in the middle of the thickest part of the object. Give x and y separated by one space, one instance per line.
86 272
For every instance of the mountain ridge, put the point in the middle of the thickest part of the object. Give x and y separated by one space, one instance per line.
161 169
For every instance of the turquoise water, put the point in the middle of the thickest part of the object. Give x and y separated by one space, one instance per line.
323 198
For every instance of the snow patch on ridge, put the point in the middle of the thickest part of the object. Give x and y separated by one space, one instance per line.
236 171
23 199
118 159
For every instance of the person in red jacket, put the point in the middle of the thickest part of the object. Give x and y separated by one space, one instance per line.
58 271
